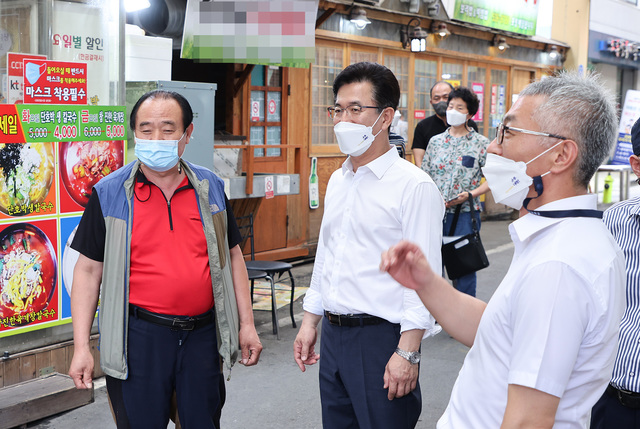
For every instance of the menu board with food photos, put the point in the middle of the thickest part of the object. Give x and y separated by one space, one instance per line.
51 156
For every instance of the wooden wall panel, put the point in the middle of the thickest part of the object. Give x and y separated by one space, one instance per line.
26 366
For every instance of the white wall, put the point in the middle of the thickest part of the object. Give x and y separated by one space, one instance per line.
609 77
615 17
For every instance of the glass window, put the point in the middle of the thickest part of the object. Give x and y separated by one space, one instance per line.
257 138
328 64
400 67
273 138
498 100
452 73
257 106
424 78
273 106
265 111
476 77
359 56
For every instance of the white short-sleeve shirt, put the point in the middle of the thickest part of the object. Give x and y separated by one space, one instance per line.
552 324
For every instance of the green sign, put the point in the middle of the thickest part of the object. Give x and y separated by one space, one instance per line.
517 16
51 123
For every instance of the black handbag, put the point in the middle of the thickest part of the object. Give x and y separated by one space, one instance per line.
464 255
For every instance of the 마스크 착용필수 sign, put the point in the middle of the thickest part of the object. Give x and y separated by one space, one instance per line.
54 82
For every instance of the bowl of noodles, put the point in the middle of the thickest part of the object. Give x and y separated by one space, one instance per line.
28 272
84 163
26 174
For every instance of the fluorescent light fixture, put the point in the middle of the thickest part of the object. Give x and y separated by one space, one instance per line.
135 5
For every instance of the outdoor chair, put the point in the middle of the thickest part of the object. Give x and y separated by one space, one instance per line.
274 269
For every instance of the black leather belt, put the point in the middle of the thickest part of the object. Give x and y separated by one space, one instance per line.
352 319
178 323
625 397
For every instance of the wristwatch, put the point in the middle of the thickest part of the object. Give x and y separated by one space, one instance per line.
412 357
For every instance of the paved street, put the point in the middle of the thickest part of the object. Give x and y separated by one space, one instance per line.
275 394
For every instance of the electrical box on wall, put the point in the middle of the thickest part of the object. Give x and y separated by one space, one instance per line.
201 97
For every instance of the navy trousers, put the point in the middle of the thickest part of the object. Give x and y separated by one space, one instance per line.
160 361
351 379
609 413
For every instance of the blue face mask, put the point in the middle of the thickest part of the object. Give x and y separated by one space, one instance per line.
33 72
158 155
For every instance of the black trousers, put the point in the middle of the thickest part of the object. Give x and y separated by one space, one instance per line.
609 413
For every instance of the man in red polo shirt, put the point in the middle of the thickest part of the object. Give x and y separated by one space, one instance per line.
160 247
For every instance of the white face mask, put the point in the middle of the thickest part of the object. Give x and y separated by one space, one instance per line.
508 179
455 118
354 139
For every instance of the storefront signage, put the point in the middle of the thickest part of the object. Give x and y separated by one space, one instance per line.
15 75
271 32
621 48
54 82
80 34
629 116
419 114
57 153
517 16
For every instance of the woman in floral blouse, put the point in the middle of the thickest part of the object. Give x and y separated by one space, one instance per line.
453 159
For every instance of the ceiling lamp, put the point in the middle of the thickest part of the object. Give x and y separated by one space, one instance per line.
440 29
135 5
555 52
414 36
500 43
359 17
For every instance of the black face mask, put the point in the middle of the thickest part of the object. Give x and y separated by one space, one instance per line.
440 108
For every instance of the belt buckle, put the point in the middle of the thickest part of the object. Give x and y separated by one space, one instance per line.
183 324
335 319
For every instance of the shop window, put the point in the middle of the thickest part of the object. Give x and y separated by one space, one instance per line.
360 56
452 73
425 76
266 109
400 67
329 62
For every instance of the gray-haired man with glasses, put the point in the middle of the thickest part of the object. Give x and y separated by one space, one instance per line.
372 327
543 348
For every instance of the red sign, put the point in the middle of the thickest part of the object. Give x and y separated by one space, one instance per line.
419 114
478 89
56 82
14 75
255 111
272 107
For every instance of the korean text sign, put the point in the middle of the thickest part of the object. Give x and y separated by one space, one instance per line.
54 82
51 158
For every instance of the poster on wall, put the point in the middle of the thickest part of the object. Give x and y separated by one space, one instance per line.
15 73
54 82
53 156
79 34
517 16
628 117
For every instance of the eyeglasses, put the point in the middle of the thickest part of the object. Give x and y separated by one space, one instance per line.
501 128
354 110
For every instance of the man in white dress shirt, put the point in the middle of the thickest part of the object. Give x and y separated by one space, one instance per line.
543 348
372 327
